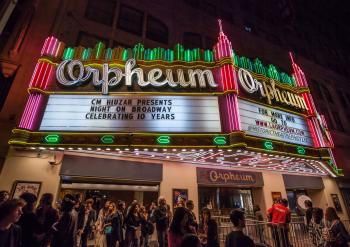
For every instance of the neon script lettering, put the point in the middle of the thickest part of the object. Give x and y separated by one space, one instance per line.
216 176
73 73
269 90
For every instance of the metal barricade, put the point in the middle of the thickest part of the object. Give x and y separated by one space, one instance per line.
265 234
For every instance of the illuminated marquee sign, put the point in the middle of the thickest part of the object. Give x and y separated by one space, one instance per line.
207 176
269 90
131 113
73 73
266 122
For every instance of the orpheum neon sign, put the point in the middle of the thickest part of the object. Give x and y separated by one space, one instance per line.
72 73
269 90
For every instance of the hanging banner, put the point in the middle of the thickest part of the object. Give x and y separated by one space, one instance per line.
266 122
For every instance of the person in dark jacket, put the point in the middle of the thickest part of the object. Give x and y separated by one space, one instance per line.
179 227
29 222
237 238
133 226
337 235
192 217
79 205
308 212
119 223
147 227
161 218
65 229
47 216
86 222
208 230
10 213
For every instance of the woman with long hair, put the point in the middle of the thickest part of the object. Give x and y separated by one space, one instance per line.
133 226
108 226
47 216
100 239
316 226
335 235
208 230
147 227
179 227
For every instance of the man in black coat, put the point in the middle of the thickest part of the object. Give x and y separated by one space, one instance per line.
192 217
65 229
118 224
161 218
29 222
85 222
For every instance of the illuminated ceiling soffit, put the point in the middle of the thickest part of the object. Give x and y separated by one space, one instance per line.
239 159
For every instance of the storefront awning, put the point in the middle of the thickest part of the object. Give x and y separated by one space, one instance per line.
83 166
302 182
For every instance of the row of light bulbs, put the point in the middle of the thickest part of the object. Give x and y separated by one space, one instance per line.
129 149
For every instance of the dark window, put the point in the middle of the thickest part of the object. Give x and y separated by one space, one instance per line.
9 29
101 11
157 30
208 7
348 97
117 43
192 3
130 20
315 88
245 5
327 94
226 4
342 98
226 14
89 40
324 112
192 40
5 86
209 43
337 121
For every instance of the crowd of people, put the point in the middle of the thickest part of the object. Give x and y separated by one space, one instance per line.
326 229
23 224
